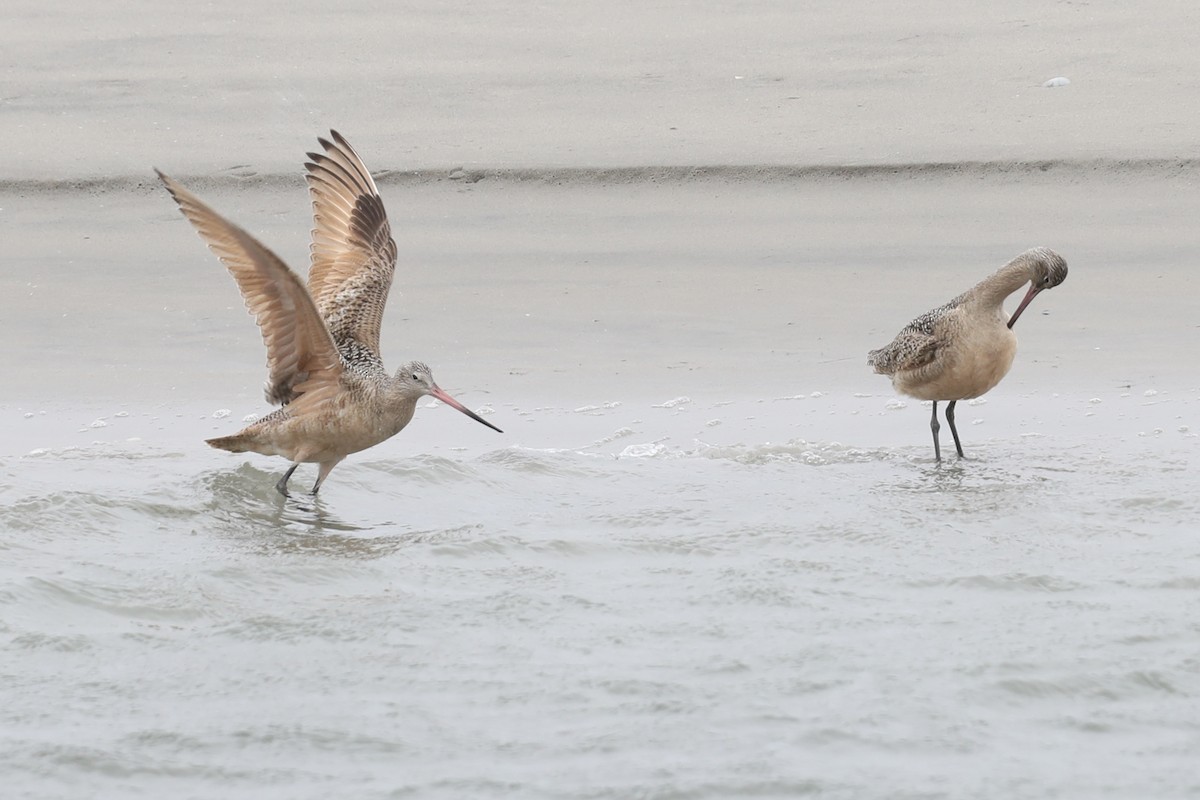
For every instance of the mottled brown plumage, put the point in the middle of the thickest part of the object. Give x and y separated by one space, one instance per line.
964 348
323 360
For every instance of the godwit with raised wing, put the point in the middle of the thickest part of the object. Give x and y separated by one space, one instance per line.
322 342
964 348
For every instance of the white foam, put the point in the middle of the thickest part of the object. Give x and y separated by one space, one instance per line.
647 450
601 407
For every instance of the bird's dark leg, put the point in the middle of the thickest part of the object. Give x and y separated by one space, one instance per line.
954 430
935 427
281 487
323 473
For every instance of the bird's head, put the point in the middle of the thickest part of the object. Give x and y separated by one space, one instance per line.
1047 269
415 379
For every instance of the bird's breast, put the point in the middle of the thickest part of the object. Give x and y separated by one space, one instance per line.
968 364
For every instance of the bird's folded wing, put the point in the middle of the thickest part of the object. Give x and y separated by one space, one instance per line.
912 348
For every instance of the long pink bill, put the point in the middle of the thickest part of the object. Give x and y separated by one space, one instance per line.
440 394
1032 293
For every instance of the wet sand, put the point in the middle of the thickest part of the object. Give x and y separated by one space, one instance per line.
714 287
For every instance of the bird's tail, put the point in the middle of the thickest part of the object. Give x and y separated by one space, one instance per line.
234 444
877 360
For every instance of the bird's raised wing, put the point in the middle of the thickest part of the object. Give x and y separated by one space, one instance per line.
353 254
302 360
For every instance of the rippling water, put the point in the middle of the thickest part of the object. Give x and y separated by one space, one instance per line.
639 615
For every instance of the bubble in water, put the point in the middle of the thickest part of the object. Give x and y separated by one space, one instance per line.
678 401
221 413
1054 83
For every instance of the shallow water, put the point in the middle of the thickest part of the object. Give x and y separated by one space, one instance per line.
674 606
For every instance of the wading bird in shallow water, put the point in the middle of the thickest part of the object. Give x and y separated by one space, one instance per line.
323 360
964 348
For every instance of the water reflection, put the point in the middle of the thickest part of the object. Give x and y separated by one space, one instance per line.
244 506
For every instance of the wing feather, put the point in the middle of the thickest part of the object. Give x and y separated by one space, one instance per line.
912 348
353 254
302 359
916 345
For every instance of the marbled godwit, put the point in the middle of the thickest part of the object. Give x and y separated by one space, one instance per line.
322 342
964 348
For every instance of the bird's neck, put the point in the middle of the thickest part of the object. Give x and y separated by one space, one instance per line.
991 291
396 414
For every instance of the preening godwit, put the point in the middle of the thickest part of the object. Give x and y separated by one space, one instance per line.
964 348
323 360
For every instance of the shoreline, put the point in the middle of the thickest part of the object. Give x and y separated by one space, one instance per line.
245 177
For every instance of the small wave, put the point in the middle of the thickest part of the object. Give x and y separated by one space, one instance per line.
148 604
549 462
74 643
54 513
1016 581
1111 687
103 451
425 469
795 452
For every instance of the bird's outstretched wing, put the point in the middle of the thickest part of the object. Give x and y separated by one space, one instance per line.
302 361
353 254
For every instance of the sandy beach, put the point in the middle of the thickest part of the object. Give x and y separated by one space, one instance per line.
105 91
711 556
